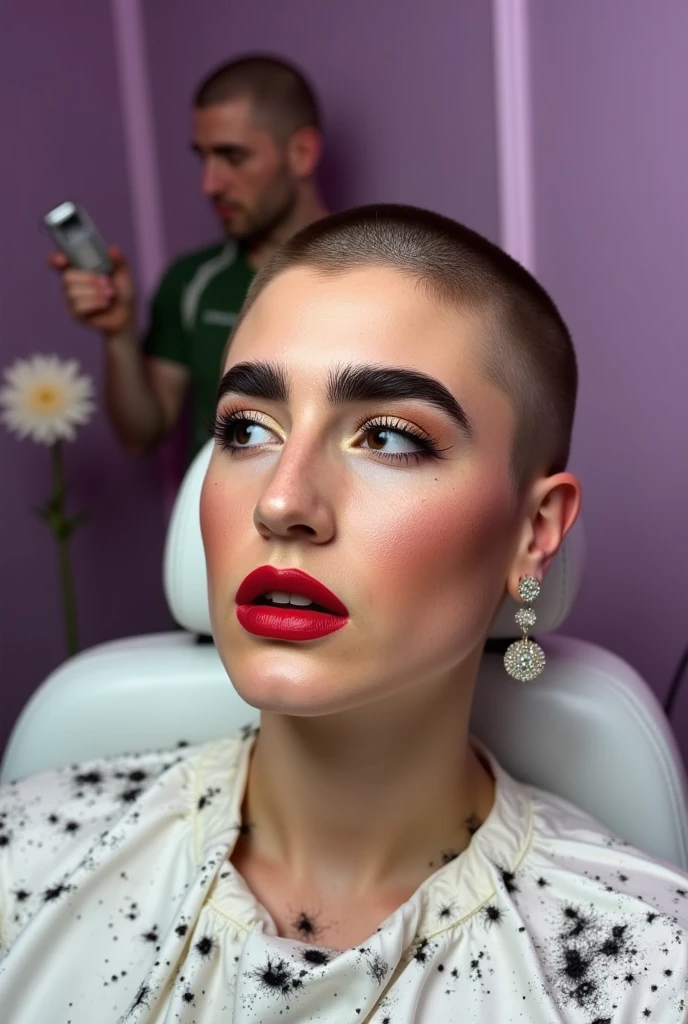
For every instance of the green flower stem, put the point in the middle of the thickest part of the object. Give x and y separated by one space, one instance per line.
61 527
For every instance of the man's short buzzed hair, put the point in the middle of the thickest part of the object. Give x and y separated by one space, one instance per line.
526 347
283 99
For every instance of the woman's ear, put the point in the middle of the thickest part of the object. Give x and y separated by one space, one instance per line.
551 511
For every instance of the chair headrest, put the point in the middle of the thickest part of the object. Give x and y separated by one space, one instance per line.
186 587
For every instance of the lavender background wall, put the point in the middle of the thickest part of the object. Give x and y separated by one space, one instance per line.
407 92
62 138
609 83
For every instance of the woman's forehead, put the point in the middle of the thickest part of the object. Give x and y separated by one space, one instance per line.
308 326
313 321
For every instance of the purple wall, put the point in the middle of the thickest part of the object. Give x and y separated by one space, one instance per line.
406 87
62 138
611 149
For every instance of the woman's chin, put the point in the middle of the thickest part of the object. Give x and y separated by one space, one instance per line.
284 702
289 695
278 677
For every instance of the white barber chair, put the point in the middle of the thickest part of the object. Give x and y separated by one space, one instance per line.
589 729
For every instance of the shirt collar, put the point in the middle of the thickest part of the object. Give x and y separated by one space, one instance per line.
449 896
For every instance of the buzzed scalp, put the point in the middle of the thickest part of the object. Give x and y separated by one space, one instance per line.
527 349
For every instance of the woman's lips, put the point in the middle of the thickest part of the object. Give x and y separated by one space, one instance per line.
288 622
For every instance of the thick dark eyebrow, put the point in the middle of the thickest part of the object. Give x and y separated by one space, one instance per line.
347 384
356 383
255 380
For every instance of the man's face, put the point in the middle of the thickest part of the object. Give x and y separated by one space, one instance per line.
379 491
246 174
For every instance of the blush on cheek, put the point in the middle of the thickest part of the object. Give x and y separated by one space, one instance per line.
208 515
440 549
216 516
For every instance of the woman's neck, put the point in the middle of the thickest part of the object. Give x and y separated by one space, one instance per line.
380 796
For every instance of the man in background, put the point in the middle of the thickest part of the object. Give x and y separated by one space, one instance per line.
257 133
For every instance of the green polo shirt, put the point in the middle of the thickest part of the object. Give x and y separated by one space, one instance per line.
192 315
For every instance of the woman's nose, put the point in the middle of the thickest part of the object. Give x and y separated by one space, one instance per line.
298 501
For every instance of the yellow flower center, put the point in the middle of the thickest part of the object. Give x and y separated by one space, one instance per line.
46 398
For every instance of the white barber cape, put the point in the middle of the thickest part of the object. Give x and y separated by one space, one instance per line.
119 905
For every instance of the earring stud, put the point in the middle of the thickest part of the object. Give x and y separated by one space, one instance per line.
524 660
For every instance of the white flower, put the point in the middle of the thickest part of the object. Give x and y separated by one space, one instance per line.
45 398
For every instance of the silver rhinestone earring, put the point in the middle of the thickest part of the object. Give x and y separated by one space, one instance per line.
524 660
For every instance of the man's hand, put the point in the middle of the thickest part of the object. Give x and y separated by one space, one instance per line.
104 302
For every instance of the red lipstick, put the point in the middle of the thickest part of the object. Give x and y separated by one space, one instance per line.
259 614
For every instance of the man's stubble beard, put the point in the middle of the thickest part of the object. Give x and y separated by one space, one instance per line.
262 224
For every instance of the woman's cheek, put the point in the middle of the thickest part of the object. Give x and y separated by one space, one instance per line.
413 545
220 512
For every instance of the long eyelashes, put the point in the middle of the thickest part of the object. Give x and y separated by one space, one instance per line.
228 421
429 446
225 425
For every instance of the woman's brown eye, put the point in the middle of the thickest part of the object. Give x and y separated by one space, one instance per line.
242 432
377 439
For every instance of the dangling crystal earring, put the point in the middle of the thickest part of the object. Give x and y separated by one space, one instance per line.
524 660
